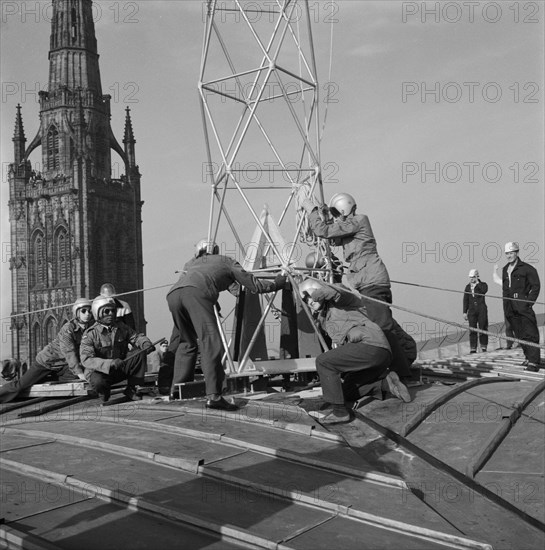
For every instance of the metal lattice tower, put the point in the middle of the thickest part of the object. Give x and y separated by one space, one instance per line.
259 97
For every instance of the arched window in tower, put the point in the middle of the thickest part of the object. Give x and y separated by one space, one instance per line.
74 28
62 256
52 144
39 260
36 339
50 330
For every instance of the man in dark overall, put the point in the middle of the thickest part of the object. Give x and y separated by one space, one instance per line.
475 310
520 283
191 301
360 349
59 359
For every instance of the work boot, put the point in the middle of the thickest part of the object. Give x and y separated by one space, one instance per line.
104 394
220 404
483 350
533 367
339 415
473 351
130 393
396 387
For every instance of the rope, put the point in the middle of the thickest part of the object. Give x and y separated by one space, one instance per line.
439 319
328 79
475 293
69 305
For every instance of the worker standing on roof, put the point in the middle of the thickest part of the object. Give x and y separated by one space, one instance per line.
520 282
475 310
192 300
367 272
60 358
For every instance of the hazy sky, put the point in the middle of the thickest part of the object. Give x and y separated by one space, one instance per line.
435 126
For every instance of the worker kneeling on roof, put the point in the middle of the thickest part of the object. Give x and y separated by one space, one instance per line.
361 350
104 349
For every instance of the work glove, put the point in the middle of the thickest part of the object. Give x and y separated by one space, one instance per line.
117 363
324 210
147 346
465 316
355 335
280 282
308 205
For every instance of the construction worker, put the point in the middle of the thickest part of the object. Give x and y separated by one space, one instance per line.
60 359
367 273
509 344
360 348
124 312
520 283
104 348
475 310
192 300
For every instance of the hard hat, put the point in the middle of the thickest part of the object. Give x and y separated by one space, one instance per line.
78 304
511 247
342 204
473 273
314 260
107 289
100 302
204 246
308 286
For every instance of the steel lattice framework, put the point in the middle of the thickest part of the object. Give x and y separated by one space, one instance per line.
259 97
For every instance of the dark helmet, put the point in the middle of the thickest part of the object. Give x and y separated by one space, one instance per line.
107 289
314 260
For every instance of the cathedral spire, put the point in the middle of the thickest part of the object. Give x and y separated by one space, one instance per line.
73 57
128 139
19 138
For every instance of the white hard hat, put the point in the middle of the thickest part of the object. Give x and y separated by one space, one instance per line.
473 273
511 247
342 204
206 246
308 286
102 301
79 303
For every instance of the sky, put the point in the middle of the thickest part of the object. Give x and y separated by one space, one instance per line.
434 124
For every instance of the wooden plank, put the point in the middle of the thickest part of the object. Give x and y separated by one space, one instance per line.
59 390
281 366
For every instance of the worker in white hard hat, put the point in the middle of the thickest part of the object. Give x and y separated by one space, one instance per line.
60 359
475 310
104 352
521 286
192 300
361 353
366 273
508 329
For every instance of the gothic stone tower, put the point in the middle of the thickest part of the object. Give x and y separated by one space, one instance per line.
73 227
